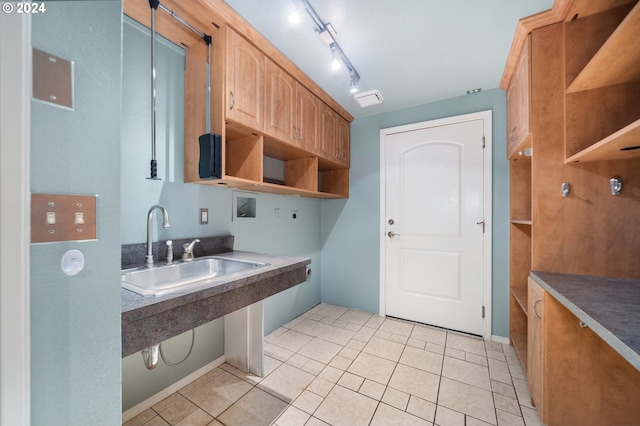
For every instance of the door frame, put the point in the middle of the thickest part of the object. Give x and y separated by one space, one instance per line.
486 116
15 114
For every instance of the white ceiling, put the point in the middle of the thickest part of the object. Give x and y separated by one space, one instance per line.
412 51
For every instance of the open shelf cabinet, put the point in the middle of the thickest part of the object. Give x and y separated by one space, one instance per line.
603 76
303 174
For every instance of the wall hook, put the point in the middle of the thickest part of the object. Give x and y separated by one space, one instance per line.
615 184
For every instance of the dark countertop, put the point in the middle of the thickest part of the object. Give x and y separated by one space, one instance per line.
608 306
150 320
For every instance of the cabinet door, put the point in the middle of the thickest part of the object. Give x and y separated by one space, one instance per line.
245 82
518 103
280 95
536 343
328 128
343 144
307 113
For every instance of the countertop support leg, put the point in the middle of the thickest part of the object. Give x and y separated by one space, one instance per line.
244 339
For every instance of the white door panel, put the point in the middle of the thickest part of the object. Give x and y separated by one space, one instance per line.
433 201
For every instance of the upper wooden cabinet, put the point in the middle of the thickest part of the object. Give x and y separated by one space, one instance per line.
264 107
343 138
292 112
328 129
306 119
334 134
518 99
280 98
245 82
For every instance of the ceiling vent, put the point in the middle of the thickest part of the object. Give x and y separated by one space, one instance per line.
367 99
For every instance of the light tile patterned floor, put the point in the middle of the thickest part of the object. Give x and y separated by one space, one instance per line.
336 366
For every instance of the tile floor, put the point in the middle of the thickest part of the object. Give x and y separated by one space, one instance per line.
337 366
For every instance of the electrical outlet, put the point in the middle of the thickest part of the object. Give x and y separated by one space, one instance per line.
204 216
277 215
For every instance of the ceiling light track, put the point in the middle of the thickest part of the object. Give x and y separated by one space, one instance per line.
327 33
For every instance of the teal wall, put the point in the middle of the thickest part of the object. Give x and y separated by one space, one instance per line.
350 240
75 321
183 201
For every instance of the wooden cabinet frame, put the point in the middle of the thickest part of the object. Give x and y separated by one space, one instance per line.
238 115
584 120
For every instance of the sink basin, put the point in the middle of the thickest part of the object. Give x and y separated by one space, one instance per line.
170 278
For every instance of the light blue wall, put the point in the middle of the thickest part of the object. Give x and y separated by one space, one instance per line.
350 240
75 321
183 201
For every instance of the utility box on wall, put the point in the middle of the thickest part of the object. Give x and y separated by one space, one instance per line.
245 206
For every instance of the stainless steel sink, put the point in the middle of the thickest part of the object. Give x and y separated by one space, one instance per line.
170 278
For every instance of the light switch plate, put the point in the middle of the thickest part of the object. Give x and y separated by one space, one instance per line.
57 217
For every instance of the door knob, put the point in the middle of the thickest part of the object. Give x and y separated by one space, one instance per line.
392 234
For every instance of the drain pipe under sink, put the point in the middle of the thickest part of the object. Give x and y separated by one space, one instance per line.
151 358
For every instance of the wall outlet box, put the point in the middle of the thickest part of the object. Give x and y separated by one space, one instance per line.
204 216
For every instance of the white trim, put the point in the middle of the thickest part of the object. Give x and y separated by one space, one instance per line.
15 82
164 393
500 339
486 116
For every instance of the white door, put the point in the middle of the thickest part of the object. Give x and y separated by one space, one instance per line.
434 224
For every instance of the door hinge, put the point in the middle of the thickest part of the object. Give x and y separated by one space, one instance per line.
483 312
484 141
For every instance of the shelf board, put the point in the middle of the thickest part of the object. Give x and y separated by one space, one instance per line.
521 296
617 60
613 147
250 185
226 181
522 222
523 145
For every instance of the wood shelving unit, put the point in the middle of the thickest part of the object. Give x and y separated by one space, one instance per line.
584 114
520 211
616 61
606 86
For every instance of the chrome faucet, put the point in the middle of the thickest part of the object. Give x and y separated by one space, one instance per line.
165 224
187 256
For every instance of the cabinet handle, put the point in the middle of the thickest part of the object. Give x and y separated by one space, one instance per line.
233 100
511 135
534 308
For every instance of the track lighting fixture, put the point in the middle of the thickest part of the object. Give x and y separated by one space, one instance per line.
335 63
328 35
353 86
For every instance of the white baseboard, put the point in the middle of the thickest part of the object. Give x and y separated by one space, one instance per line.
164 393
500 339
